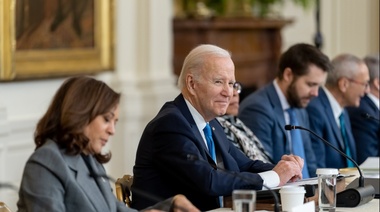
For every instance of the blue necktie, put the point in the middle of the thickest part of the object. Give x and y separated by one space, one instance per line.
211 150
297 144
210 141
345 140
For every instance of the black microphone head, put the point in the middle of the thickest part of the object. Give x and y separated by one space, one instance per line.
289 127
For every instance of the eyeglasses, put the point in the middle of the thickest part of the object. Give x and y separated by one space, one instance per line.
237 87
365 84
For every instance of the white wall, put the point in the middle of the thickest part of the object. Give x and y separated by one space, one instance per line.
348 26
144 75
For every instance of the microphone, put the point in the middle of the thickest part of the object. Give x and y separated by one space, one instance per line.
191 157
367 116
350 197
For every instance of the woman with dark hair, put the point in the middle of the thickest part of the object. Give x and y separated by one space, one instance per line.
65 173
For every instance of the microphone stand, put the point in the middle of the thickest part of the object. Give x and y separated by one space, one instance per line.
191 157
350 197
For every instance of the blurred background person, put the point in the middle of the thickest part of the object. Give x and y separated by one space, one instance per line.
239 134
302 70
367 131
345 85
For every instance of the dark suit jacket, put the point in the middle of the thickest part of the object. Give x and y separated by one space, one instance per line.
366 131
323 123
162 166
262 112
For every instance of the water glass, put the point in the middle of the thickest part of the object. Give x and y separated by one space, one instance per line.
327 189
244 200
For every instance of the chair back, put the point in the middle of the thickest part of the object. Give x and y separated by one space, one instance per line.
123 189
4 207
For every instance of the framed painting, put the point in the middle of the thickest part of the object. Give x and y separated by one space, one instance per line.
53 38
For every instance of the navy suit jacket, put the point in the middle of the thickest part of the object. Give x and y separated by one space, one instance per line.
323 123
262 112
163 168
366 131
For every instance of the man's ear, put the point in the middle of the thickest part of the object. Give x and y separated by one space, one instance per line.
288 75
343 84
190 83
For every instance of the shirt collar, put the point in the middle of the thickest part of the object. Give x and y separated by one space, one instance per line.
284 102
374 99
336 108
199 120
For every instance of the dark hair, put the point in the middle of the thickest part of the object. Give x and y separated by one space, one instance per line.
77 102
298 58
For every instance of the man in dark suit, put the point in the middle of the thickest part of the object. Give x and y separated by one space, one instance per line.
345 85
184 149
302 69
367 131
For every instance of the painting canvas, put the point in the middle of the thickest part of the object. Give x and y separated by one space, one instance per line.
51 38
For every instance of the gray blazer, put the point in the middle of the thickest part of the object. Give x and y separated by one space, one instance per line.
55 181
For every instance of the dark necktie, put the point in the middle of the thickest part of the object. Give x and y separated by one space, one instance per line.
345 139
297 144
210 141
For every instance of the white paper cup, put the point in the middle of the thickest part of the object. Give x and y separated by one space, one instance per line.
291 196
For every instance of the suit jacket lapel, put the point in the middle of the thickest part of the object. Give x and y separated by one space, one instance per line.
279 114
180 102
331 118
89 187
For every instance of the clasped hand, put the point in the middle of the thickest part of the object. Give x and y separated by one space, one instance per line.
289 168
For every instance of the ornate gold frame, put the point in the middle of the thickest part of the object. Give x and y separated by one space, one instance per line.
31 64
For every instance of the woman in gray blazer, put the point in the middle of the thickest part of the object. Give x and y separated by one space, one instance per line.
65 173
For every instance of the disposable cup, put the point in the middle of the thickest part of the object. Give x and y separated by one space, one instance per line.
291 196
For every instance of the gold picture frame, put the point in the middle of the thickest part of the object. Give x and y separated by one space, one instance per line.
31 56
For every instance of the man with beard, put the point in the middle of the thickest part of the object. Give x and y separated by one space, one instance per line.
302 70
345 85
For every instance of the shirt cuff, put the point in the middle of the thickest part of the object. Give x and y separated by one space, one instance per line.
270 178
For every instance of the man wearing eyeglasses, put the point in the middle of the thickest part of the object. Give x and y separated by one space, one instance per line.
366 131
345 85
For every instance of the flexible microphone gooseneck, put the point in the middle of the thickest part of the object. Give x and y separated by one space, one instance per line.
192 157
350 197
367 116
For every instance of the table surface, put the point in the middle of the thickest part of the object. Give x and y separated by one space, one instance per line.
372 206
